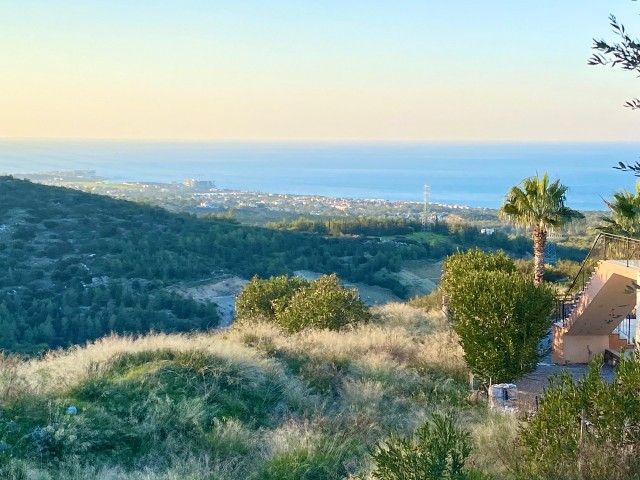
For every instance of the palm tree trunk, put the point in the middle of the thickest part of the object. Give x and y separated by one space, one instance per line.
539 244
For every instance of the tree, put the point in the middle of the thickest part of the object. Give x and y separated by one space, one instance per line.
626 55
625 214
539 205
500 315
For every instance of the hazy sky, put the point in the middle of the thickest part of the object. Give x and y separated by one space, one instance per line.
429 70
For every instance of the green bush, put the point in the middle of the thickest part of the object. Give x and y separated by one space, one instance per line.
438 450
296 304
324 303
500 315
259 298
586 429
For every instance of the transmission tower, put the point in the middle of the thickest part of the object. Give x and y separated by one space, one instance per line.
550 250
550 254
425 209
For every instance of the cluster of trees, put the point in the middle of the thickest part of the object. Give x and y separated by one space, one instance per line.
75 266
32 321
371 227
295 304
444 239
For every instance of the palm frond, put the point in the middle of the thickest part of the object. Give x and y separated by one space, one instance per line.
537 203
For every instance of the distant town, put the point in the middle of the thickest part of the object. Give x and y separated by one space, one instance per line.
203 197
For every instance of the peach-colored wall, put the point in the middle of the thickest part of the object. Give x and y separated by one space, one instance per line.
580 349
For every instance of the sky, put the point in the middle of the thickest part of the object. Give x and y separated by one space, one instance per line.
302 70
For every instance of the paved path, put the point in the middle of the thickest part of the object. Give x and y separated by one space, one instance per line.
533 385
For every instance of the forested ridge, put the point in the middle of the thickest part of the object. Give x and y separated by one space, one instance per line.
75 266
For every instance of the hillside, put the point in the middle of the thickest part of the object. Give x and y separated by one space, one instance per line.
248 403
76 266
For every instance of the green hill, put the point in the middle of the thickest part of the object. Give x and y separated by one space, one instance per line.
76 266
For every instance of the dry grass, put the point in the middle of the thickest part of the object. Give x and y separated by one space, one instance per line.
494 435
62 368
398 335
344 391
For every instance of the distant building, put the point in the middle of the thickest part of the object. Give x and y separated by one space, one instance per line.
199 184
487 231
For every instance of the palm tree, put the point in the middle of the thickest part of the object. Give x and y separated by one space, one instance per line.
625 214
539 205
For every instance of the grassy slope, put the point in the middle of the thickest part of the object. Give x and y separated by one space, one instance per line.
245 403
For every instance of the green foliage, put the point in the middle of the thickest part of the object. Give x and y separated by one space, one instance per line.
145 399
539 205
295 303
264 298
442 239
324 303
563 271
321 461
350 226
76 266
624 216
586 429
429 302
248 402
438 450
475 260
500 315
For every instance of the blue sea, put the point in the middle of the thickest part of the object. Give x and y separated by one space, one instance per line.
476 175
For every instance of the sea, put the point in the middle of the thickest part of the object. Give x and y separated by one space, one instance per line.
466 174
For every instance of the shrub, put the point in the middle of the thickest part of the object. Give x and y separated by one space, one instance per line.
295 304
260 297
462 264
589 429
500 315
438 450
324 303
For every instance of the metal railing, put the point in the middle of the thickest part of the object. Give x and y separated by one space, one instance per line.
605 247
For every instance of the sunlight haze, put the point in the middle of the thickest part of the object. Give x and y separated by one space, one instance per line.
323 71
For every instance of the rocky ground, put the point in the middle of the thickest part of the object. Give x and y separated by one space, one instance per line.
221 292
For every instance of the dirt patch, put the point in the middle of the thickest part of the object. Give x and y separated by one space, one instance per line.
307 274
424 269
222 292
